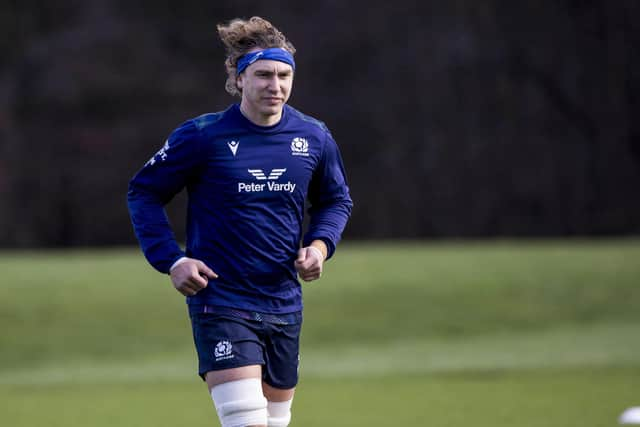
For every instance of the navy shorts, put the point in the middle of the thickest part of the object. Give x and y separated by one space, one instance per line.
228 338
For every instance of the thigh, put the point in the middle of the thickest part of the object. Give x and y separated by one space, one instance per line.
214 378
277 394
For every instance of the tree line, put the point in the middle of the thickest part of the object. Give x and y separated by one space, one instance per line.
455 119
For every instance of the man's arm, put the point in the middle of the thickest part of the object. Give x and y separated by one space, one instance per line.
330 209
161 178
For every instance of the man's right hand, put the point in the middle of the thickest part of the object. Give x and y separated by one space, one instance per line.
189 276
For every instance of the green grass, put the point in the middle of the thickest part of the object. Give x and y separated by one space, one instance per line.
540 333
568 398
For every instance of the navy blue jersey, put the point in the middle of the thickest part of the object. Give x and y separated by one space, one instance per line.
247 186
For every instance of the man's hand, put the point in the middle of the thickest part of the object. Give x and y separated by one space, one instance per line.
189 276
309 262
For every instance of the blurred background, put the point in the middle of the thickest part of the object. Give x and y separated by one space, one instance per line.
489 275
455 118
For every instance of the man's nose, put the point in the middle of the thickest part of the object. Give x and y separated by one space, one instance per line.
274 84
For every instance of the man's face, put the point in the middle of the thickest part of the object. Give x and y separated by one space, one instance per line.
266 86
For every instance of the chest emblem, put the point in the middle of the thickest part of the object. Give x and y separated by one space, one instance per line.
299 147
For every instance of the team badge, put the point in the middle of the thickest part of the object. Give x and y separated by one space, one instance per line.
299 147
223 350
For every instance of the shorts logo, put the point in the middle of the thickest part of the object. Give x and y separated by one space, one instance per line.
223 351
299 147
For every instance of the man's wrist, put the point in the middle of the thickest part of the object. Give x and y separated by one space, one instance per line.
321 247
177 263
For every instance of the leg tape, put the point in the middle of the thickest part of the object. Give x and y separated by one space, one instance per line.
279 413
240 403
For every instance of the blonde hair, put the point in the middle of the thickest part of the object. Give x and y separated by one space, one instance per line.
239 36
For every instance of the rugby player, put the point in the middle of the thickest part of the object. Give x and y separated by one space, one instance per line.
248 171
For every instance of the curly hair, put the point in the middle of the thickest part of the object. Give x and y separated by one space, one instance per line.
239 36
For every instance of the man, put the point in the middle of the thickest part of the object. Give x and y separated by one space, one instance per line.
248 171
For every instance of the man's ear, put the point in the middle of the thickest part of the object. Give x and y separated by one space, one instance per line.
239 82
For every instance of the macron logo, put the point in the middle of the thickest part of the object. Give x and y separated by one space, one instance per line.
273 175
233 146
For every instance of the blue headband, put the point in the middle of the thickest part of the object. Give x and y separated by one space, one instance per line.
274 53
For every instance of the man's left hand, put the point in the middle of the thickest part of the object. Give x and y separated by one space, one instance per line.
309 263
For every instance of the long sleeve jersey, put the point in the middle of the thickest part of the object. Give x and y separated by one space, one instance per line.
247 187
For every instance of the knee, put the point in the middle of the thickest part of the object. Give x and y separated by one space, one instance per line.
240 403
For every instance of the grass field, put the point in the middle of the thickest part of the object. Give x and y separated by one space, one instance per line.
543 333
